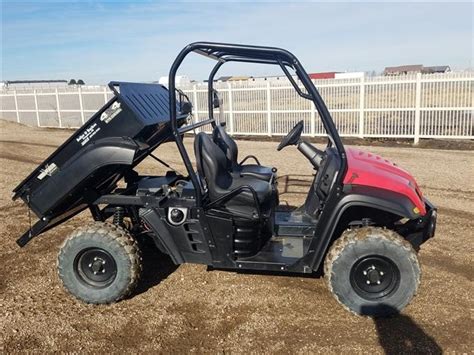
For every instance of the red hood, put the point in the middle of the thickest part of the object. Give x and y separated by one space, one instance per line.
372 170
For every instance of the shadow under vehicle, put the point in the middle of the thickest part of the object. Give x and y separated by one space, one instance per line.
362 222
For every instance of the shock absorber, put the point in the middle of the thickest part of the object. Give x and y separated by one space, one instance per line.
119 214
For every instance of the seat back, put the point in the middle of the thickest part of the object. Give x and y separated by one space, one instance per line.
226 144
211 164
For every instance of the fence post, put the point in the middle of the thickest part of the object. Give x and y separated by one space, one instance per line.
231 112
36 109
269 112
195 104
58 109
81 106
105 95
361 106
16 107
417 108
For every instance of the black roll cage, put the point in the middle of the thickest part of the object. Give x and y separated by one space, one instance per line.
225 52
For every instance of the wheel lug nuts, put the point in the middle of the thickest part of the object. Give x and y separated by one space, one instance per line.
378 282
95 258
364 272
103 271
368 282
381 273
372 267
95 272
90 265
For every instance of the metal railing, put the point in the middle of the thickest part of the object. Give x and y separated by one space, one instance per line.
411 106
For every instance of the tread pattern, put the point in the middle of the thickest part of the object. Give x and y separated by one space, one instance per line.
113 232
354 235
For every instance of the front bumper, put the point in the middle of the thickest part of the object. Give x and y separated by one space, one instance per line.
430 220
418 231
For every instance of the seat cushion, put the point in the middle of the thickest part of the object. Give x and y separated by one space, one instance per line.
262 188
244 202
258 171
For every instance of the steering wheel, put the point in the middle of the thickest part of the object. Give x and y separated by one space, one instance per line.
293 137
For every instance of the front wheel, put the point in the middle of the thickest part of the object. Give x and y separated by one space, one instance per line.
99 263
372 271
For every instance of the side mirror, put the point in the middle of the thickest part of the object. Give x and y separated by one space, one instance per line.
186 107
216 100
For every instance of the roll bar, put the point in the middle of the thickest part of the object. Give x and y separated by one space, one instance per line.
225 52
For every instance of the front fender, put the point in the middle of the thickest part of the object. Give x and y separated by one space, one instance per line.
381 199
354 196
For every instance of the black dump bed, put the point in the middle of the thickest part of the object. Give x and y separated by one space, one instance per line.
114 140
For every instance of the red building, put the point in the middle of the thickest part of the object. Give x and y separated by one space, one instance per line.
324 75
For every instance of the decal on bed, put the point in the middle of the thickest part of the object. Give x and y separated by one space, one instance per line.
109 114
88 133
49 170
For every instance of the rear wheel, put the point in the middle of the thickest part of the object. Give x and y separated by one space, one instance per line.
372 271
99 263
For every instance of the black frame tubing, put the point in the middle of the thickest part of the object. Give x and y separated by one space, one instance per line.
210 89
224 52
237 191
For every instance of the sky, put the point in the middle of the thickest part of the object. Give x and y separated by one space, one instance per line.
100 41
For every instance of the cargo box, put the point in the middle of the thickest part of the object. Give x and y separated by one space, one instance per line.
90 163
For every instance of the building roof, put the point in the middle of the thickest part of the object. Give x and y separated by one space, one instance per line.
224 78
416 68
438 69
404 69
237 78
34 81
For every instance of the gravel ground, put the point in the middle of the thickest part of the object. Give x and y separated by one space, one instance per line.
189 308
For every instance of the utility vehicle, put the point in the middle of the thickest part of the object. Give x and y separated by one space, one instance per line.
361 225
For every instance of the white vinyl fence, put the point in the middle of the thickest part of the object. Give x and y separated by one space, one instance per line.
412 106
65 107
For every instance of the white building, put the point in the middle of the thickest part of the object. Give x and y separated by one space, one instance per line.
180 80
350 75
271 78
33 84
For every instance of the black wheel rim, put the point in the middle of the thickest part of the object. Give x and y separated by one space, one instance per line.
375 277
95 267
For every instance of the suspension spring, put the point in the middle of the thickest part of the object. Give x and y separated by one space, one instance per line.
119 214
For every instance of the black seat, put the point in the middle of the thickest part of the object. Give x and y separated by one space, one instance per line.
231 151
211 165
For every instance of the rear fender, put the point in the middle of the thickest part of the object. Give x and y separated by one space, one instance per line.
64 195
67 183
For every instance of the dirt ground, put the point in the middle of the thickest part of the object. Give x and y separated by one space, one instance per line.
191 309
